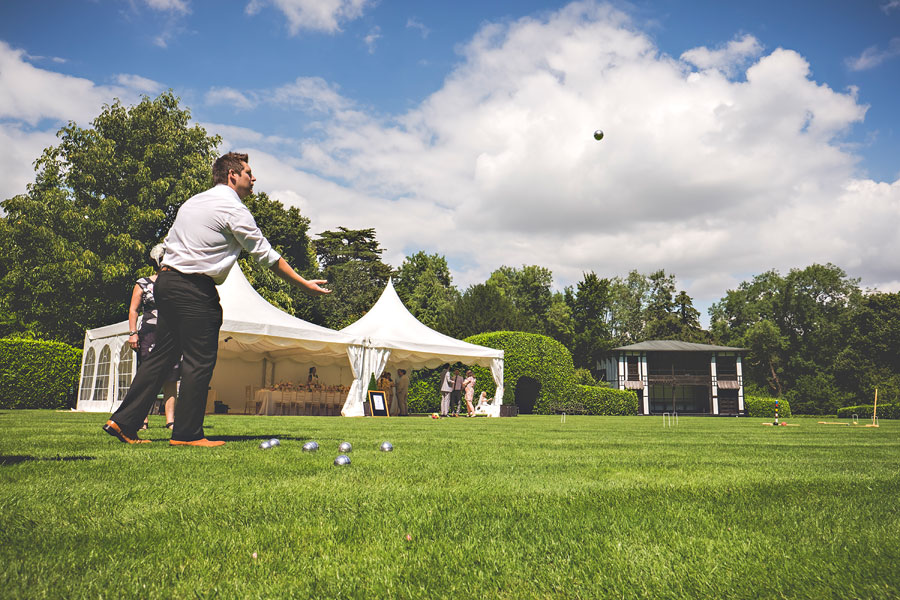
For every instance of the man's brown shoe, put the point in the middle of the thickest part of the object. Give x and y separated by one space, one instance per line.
113 429
205 443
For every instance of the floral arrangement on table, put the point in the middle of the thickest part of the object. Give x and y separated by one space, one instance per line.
287 386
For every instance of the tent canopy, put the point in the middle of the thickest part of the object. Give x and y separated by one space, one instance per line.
251 325
393 336
390 325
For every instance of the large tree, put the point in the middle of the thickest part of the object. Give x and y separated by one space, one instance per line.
590 303
871 358
481 309
424 284
528 291
795 326
287 231
628 298
351 262
660 320
72 245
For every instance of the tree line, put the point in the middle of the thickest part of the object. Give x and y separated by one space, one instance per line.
73 244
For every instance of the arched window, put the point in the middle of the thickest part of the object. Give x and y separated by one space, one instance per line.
125 362
101 385
87 376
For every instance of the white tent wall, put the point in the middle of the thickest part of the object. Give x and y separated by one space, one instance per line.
230 380
100 381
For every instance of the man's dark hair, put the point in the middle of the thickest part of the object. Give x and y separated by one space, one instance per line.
225 163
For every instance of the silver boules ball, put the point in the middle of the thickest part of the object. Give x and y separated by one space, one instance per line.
265 445
598 135
387 447
342 460
310 447
345 447
274 442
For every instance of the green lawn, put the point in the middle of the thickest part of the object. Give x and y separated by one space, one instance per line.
526 507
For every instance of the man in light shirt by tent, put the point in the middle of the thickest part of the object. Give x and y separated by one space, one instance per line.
208 234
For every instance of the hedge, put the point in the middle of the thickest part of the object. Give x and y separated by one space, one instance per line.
425 384
864 411
424 395
528 355
36 373
525 354
594 400
758 406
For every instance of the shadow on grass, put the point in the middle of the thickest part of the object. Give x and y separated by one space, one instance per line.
251 438
16 459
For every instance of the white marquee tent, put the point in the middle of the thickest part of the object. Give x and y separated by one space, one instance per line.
260 344
394 338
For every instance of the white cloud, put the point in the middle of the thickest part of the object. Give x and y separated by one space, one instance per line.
713 177
35 102
872 56
312 94
36 58
414 23
139 84
162 40
314 15
174 12
240 137
227 95
727 59
173 6
372 38
887 7
19 148
30 94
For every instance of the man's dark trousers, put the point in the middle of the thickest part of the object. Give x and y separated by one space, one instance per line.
188 324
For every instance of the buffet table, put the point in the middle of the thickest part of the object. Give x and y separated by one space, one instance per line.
300 402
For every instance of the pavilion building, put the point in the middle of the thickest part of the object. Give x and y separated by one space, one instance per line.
678 377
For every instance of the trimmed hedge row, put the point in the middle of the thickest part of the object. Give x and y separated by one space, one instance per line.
36 373
528 355
424 395
594 400
758 406
864 411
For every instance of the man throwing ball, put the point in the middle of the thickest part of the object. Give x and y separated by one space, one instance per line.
208 234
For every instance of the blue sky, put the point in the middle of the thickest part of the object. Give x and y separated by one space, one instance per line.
741 136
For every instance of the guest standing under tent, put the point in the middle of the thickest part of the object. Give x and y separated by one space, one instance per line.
469 385
446 391
402 390
143 339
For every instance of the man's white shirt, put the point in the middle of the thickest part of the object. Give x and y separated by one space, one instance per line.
209 232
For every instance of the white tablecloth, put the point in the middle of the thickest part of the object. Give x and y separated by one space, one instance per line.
299 402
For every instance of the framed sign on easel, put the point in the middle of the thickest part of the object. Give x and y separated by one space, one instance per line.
377 404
